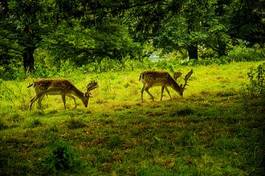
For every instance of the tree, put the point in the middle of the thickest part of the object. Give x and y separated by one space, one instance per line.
82 45
25 22
31 21
172 24
247 21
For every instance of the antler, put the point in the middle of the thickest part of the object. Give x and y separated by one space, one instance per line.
92 85
177 75
187 78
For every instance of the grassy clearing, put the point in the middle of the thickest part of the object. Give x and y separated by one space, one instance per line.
208 132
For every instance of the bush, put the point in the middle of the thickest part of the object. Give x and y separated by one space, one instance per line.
256 86
253 94
243 53
61 158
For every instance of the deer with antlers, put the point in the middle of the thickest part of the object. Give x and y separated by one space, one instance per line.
60 87
156 78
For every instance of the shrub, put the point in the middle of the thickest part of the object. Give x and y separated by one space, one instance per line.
61 158
12 71
243 53
256 86
253 93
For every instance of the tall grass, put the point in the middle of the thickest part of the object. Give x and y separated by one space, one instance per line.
124 86
207 132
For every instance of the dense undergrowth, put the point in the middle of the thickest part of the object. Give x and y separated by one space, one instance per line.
46 66
215 129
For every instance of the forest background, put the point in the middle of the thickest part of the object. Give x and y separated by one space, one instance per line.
216 128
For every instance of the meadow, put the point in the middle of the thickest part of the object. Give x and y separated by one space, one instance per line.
213 130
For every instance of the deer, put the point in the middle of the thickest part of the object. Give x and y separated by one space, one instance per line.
60 87
163 79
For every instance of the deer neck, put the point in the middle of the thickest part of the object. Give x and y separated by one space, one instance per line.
175 85
78 93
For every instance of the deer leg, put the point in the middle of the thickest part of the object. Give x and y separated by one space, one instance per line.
142 93
63 98
168 92
39 95
39 102
31 102
73 99
162 91
147 90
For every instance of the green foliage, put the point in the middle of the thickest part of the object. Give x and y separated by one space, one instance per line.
61 157
34 123
206 132
247 21
81 45
114 141
256 86
154 170
82 32
74 123
225 143
187 139
12 71
185 111
9 94
2 125
243 53
101 155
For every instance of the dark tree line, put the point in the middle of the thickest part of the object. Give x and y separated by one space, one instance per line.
88 30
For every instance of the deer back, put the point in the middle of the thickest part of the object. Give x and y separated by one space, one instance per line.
154 78
60 85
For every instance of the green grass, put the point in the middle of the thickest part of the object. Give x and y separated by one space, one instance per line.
207 132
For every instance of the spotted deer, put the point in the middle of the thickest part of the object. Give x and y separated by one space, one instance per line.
60 87
163 79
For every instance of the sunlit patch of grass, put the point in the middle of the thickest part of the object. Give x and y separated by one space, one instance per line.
206 132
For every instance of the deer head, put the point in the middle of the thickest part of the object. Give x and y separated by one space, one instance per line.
90 86
187 77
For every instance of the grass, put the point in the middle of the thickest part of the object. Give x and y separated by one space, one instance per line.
208 132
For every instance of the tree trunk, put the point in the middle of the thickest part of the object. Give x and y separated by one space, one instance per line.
192 47
193 52
221 49
28 59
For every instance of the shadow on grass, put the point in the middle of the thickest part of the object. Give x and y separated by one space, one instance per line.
180 136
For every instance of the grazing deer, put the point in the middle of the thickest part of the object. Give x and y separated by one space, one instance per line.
60 87
155 78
